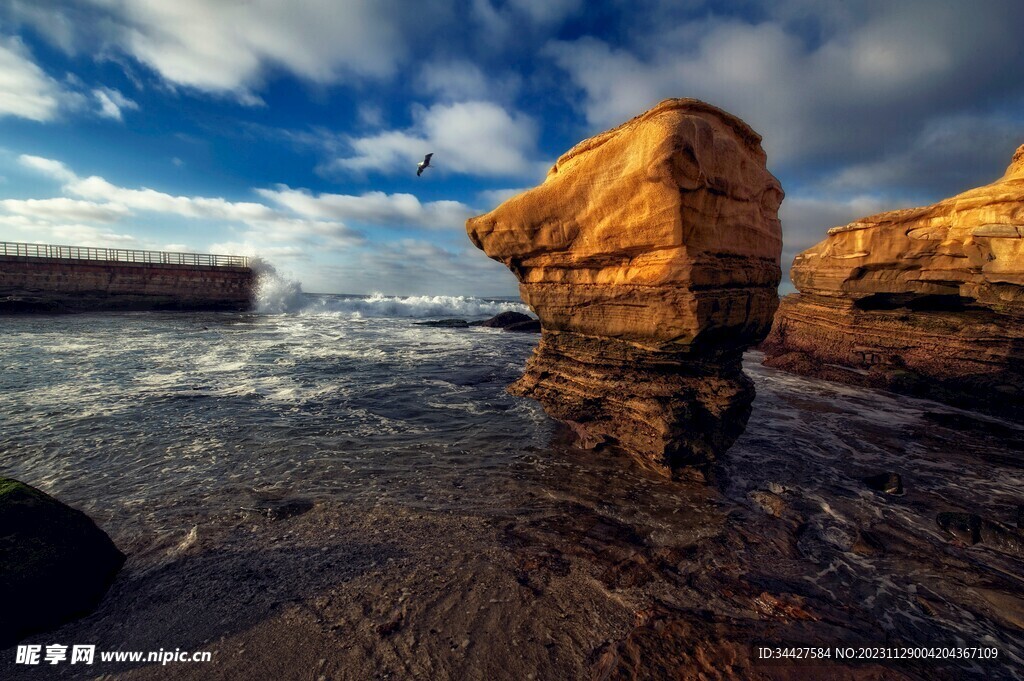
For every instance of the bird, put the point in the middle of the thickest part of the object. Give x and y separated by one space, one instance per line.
424 164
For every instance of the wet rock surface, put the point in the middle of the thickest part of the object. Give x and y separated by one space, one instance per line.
445 323
507 321
547 561
650 254
504 320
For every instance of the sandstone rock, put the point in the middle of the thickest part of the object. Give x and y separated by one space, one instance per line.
55 564
926 301
650 253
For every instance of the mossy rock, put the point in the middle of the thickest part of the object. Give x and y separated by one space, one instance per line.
55 564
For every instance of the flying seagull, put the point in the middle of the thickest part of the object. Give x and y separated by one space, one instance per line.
424 164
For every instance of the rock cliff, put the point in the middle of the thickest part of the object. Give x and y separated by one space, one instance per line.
650 253
927 301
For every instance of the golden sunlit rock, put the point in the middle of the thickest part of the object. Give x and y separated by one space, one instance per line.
651 255
926 300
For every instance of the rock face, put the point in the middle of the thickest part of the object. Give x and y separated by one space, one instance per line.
55 564
650 253
926 301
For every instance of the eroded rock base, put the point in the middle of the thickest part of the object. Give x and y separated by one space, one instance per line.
668 410
949 350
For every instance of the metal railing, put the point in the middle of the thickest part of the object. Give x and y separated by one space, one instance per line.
121 255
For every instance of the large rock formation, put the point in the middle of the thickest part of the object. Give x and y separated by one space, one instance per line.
55 564
651 255
927 301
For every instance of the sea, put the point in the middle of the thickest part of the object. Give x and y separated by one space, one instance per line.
317 423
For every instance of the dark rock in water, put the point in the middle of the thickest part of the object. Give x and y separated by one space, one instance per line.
890 483
505 320
532 326
445 323
1020 517
972 529
55 564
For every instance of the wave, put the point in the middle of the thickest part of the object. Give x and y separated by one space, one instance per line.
380 305
276 294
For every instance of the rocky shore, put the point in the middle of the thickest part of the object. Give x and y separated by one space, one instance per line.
651 256
927 301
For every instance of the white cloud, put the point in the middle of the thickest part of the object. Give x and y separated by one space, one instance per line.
47 166
872 76
28 229
112 103
229 48
949 155
491 198
253 246
370 115
293 222
478 138
215 208
100 200
375 208
61 208
807 219
416 266
547 12
25 90
459 80
500 24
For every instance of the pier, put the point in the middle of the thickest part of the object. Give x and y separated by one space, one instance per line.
58 278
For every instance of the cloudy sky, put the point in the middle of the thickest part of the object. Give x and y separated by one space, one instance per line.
292 130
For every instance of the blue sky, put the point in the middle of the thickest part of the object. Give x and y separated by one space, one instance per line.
292 130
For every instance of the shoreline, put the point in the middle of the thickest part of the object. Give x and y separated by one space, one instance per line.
570 563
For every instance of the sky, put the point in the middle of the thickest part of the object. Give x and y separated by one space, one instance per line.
292 130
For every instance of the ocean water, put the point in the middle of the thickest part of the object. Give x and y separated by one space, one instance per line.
188 436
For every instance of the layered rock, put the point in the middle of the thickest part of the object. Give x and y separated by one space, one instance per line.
650 253
927 301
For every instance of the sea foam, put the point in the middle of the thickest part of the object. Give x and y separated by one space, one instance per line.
276 294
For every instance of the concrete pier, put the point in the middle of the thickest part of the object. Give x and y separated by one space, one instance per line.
45 278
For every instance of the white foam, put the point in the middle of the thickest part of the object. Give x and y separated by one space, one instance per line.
276 294
380 305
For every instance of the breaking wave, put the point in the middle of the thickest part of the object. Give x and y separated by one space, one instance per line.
276 294
380 305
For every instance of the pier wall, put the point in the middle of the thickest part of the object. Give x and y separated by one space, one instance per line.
32 284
